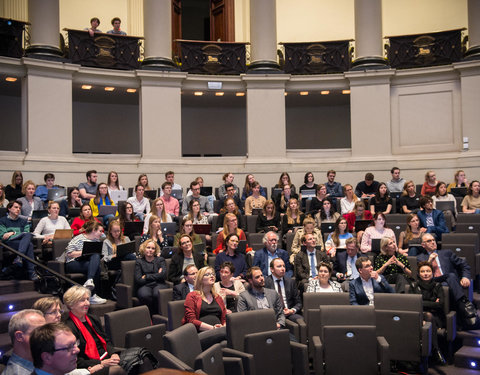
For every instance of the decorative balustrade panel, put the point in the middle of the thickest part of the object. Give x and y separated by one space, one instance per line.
11 36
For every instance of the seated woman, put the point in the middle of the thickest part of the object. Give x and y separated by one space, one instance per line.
308 183
410 200
347 203
293 217
84 218
73 201
285 197
308 228
158 209
13 191
247 189
97 354
285 180
182 258
3 200
336 240
143 181
47 226
471 202
320 195
228 287
51 307
254 201
227 179
359 213
29 202
393 265
379 229
322 283
231 255
428 187
326 214
186 227
150 275
102 198
433 301
194 213
154 232
459 181
230 207
114 238
113 183
230 225
381 202
89 266
410 240
441 195
204 308
269 220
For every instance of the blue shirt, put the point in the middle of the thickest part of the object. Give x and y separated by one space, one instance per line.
18 366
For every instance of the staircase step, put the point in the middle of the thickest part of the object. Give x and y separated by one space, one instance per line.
4 319
468 357
470 338
16 286
19 301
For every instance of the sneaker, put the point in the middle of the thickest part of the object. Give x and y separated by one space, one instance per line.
18 262
34 277
96 300
89 284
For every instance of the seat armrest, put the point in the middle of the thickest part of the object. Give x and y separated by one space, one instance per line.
293 328
303 331
383 355
477 265
317 355
426 339
248 360
169 283
168 360
124 296
299 358
233 366
159 319
451 325
57 266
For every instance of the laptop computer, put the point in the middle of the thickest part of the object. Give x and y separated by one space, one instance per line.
151 194
276 193
56 194
362 225
459 191
376 245
38 214
62 234
206 191
202 228
177 193
125 249
307 193
445 206
118 195
199 248
90 248
107 210
73 212
169 229
133 228
327 227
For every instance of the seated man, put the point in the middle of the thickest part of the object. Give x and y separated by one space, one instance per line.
20 328
432 219
306 261
257 297
181 290
344 268
367 188
232 194
141 205
286 288
447 268
170 177
88 190
205 207
270 252
334 189
363 288
54 349
172 207
42 190
396 184
15 232
116 22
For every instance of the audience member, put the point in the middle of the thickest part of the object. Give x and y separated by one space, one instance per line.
396 184
223 189
210 197
428 187
308 228
285 180
78 224
172 207
459 181
293 217
257 297
345 261
269 219
29 202
326 214
320 195
359 213
158 209
286 289
230 207
73 201
42 190
102 198
13 191
230 254
47 226
20 328
378 230
231 193
186 227
254 201
155 232
381 202
322 283
94 23
337 240
15 232
205 207
228 287
143 181
3 200
150 274
306 261
334 189
113 183
51 307
170 177
116 27
194 213
114 238
181 290
409 241
141 205
88 190
271 251
308 183
126 215
362 289
347 203
182 258
410 200
367 188
230 225
432 219
247 189
471 202
441 195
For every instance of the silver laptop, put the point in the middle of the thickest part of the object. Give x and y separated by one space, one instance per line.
118 195
107 210
56 194
308 193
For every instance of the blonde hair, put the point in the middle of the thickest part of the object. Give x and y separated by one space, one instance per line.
46 303
75 294
288 212
150 222
154 211
27 184
226 231
384 243
199 282
143 246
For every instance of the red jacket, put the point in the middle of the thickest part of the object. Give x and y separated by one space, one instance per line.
351 218
193 304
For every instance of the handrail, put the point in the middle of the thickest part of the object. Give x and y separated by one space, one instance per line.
38 264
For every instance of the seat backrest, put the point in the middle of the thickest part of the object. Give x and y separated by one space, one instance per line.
403 302
255 238
469 253
128 270
344 315
210 361
467 218
58 246
289 241
413 265
176 312
396 219
471 228
360 342
117 323
183 343
457 238
164 296
251 223
315 300
150 337
243 323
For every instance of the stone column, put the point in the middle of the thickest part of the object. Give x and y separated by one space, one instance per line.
368 35
45 29
263 35
473 30
157 20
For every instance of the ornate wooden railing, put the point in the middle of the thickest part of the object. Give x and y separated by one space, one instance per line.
205 57
11 37
104 50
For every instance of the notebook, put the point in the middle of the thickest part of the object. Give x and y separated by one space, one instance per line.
90 248
307 193
62 233
125 249
133 228
376 245
445 206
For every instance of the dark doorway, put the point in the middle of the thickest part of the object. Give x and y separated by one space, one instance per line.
196 19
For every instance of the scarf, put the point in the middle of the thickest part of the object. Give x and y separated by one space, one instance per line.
90 348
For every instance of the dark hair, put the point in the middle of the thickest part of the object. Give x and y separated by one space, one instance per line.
249 274
47 176
185 271
165 184
138 185
305 178
229 265
377 214
42 340
331 171
424 200
272 262
90 172
225 241
90 226
95 19
359 262
11 203
69 197
167 173
470 187
378 198
437 188
369 176
423 264
193 183
327 265
228 186
394 169
323 214
115 19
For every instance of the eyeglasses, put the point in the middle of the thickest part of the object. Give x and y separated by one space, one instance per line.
54 312
184 243
69 348
209 274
